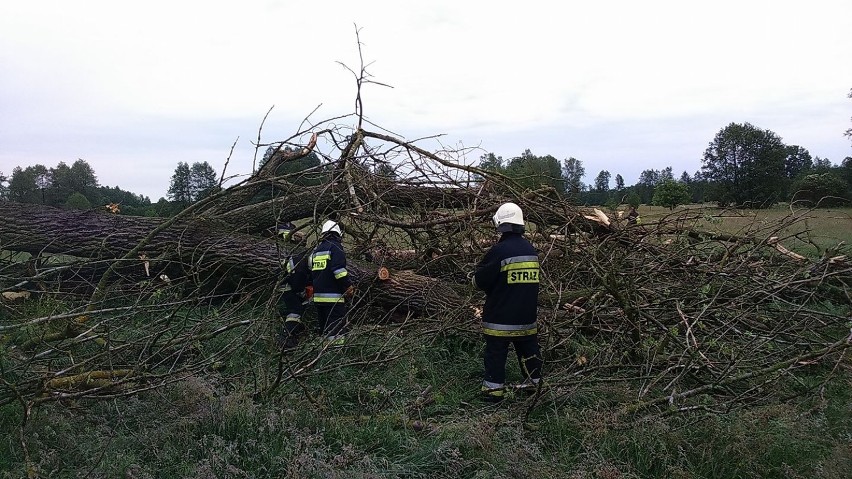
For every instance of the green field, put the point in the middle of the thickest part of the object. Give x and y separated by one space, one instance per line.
807 231
417 418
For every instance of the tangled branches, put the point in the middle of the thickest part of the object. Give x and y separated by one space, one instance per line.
684 317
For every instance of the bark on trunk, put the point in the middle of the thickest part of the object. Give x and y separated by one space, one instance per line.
199 243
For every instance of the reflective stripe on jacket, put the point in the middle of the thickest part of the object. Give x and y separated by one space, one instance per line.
328 298
509 330
298 275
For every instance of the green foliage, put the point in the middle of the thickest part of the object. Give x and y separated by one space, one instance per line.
746 165
203 181
600 192
28 185
633 199
68 186
77 202
821 165
131 203
164 208
528 170
602 181
190 184
491 162
619 183
846 170
698 187
612 202
180 187
533 171
573 172
671 193
822 189
798 160
65 181
307 171
648 180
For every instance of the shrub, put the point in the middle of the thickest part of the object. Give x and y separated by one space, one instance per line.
822 189
76 201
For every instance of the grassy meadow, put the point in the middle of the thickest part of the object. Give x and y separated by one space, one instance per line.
806 231
416 417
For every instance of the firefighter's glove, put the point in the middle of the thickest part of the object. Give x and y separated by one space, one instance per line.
350 292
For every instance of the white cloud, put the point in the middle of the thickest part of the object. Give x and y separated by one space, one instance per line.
75 73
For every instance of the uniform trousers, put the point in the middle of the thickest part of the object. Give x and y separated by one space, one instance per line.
331 318
290 308
497 350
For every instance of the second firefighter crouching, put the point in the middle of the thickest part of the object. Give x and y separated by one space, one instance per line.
509 276
295 291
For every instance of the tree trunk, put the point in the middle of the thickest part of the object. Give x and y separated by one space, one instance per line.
202 245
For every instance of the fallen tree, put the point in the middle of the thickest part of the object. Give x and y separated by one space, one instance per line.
692 319
196 247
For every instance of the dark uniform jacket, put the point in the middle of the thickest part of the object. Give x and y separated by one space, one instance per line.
328 271
509 275
297 273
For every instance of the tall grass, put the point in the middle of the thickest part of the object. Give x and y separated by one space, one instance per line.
417 416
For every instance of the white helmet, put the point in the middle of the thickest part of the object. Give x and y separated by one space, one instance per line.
509 213
331 226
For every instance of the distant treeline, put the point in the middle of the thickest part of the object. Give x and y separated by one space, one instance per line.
77 187
743 166
73 187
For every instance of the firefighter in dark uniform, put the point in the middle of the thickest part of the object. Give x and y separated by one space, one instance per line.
632 216
295 291
331 282
509 275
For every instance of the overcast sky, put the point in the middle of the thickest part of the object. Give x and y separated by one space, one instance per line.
135 87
